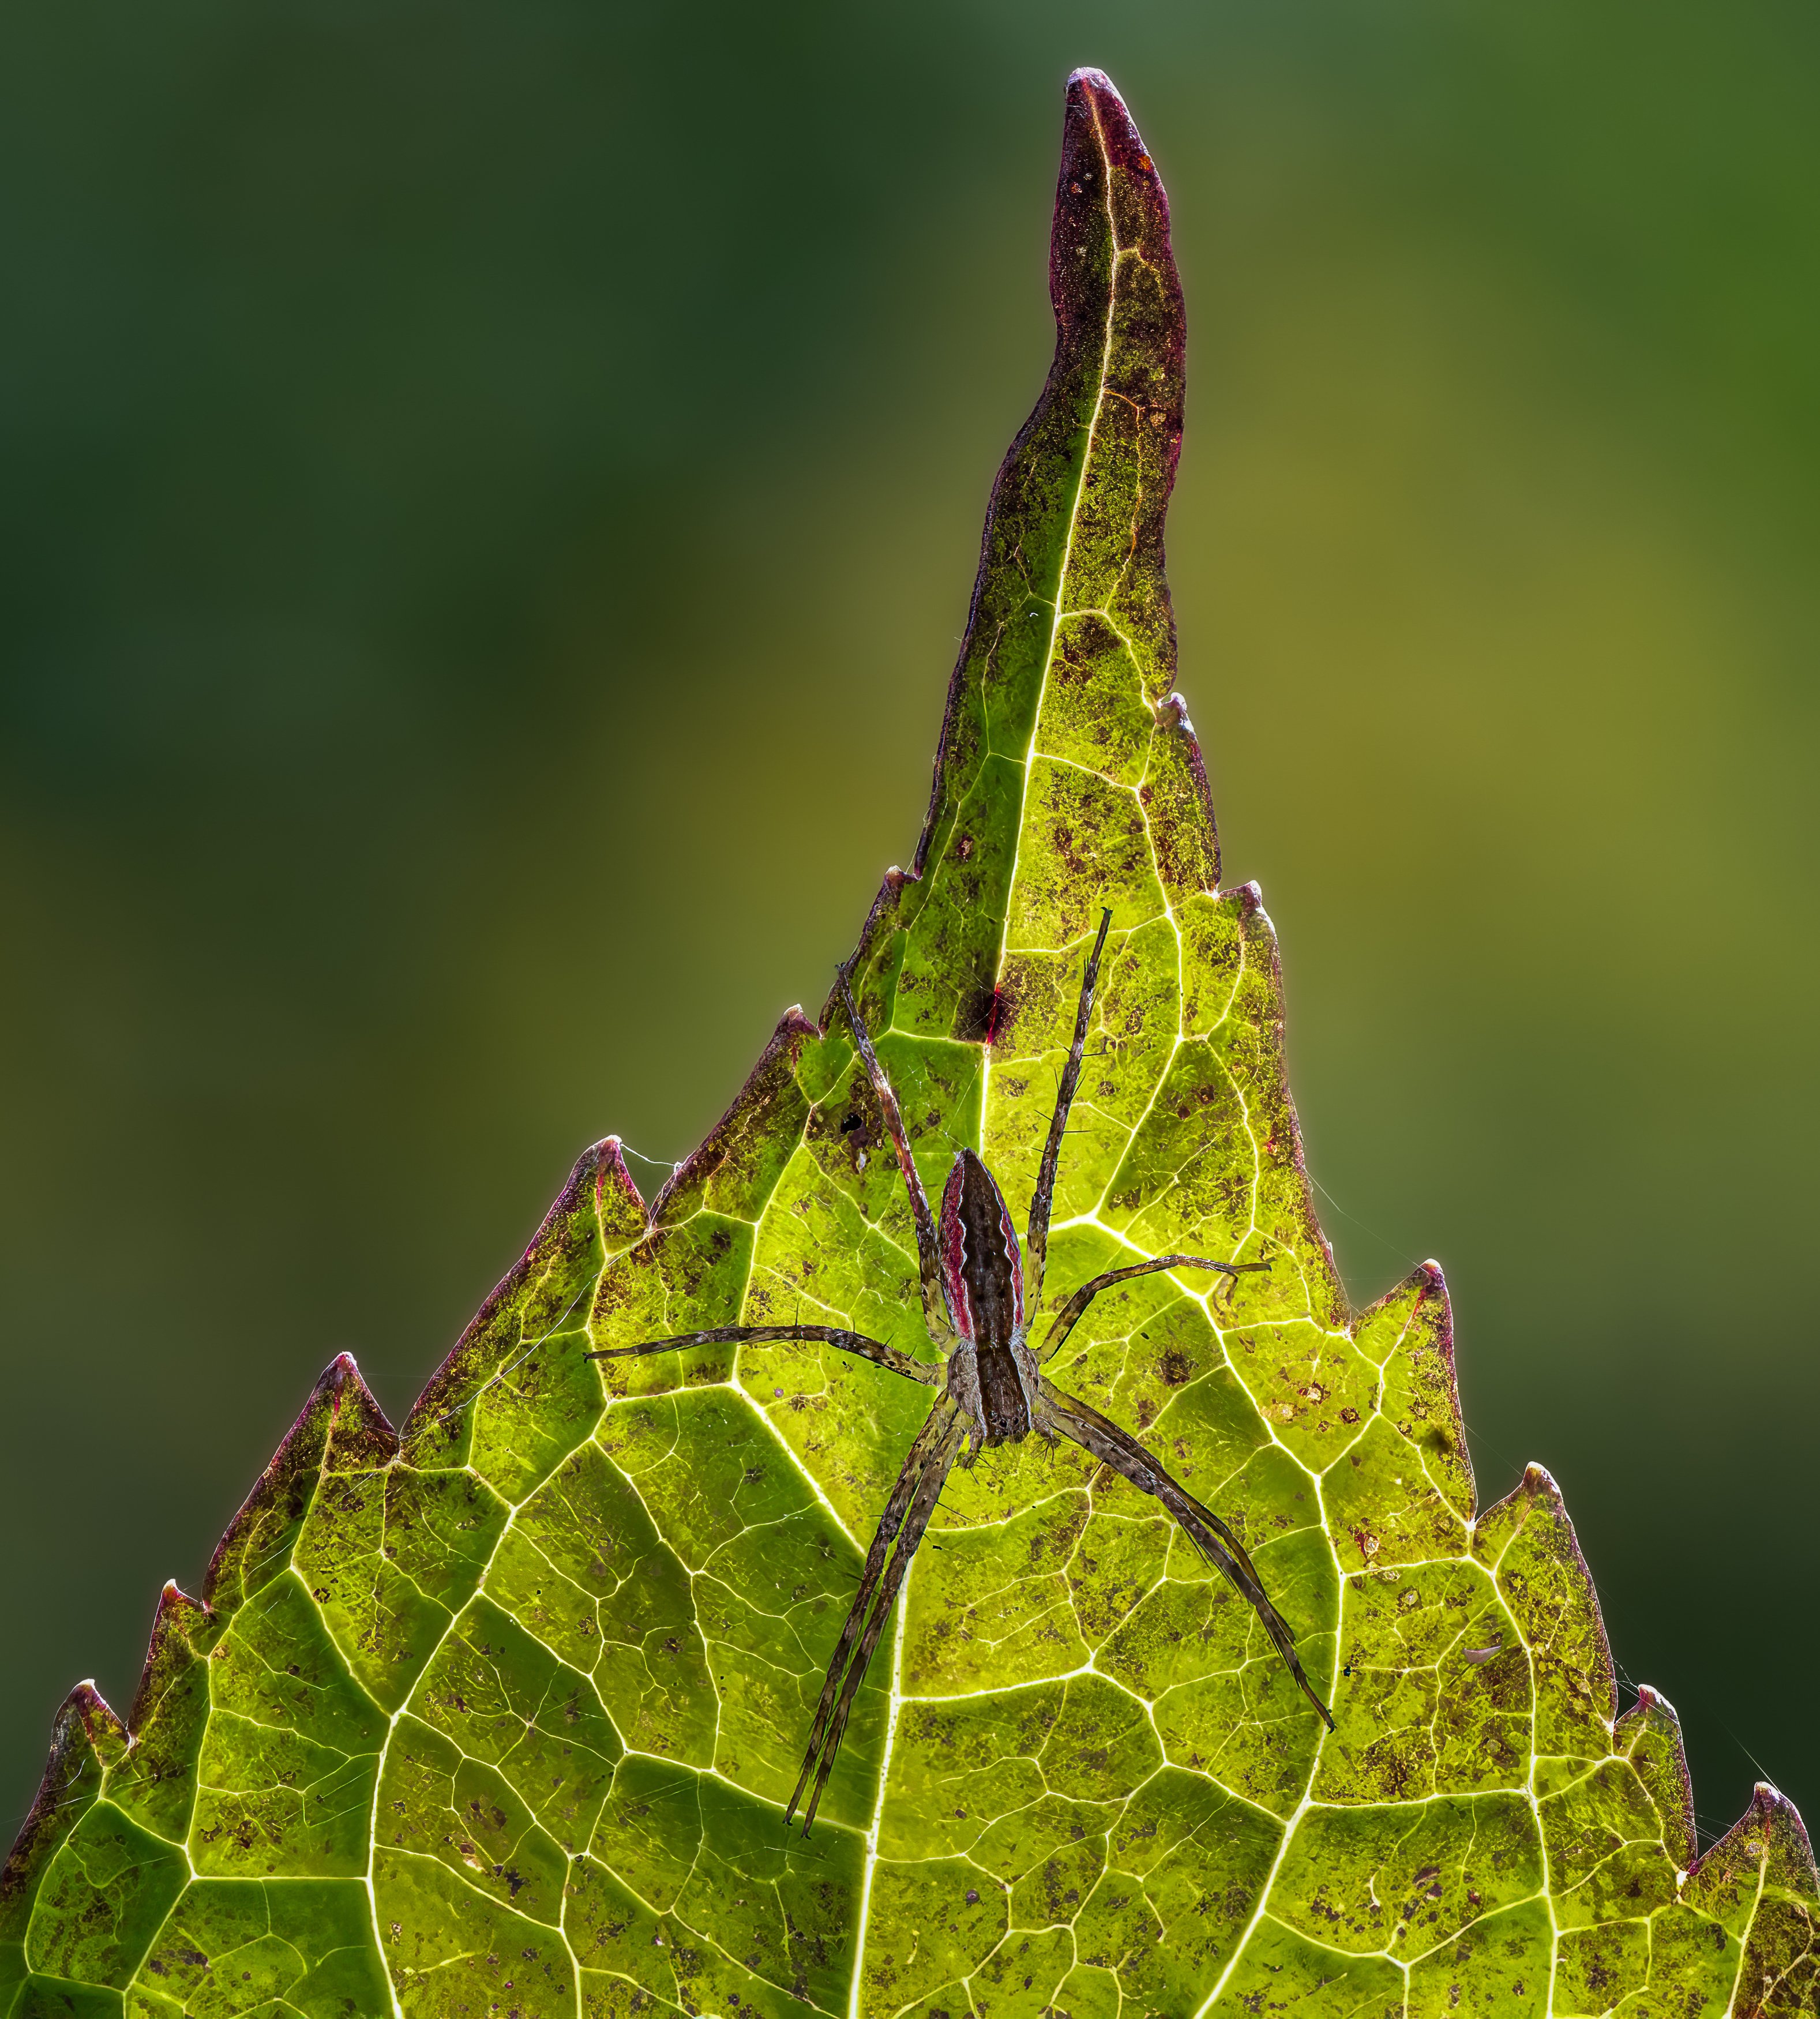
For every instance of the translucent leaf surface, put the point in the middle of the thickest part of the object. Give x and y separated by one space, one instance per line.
498 1713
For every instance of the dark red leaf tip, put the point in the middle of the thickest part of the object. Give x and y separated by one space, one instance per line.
174 1599
1094 90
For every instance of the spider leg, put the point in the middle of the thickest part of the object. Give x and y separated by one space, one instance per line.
1066 1317
873 1349
1036 1239
928 1254
1104 1439
906 1516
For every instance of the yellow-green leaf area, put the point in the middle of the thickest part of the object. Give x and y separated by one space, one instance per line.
1500 1964
238 1946
103 1901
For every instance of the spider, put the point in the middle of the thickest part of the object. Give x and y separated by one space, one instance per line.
979 1291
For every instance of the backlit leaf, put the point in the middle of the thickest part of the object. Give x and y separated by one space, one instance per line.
499 1714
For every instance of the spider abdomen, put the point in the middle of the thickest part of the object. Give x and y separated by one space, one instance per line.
982 1269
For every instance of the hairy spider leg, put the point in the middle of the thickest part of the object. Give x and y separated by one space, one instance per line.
928 1253
1066 1317
1036 1238
906 1518
873 1349
1104 1439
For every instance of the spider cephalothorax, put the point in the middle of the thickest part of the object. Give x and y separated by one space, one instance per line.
978 1284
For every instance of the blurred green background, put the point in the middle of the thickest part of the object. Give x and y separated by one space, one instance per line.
490 496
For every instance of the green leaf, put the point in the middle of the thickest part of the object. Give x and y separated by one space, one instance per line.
500 1713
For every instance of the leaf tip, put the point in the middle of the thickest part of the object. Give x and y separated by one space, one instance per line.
1249 897
86 1712
736 1130
173 1600
612 1177
1539 1481
353 1411
176 1612
1172 712
1649 1736
1771 1832
1775 1809
85 1728
1089 88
